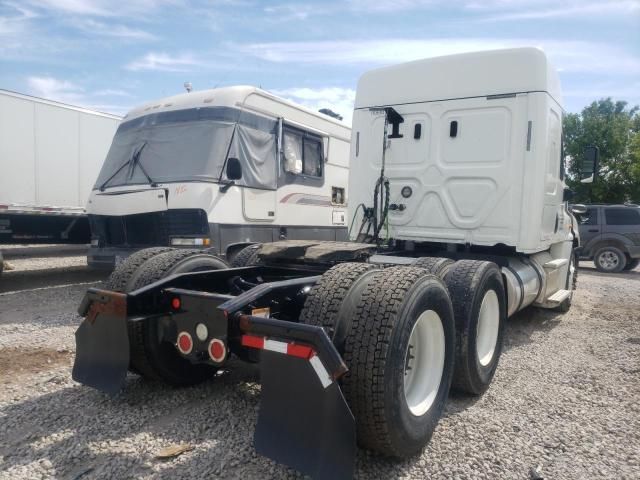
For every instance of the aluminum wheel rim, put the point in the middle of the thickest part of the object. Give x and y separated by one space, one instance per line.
488 324
608 260
424 363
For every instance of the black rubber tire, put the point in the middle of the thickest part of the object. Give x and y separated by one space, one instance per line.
438 266
622 259
247 256
176 261
324 305
375 353
632 263
160 360
468 281
571 284
119 278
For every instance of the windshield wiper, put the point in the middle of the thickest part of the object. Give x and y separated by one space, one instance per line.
104 184
134 159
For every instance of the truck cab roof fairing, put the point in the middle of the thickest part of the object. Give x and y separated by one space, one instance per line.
477 74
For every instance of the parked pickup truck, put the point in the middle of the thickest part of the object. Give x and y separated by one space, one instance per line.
610 237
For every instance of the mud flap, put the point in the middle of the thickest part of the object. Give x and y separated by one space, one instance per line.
102 352
301 423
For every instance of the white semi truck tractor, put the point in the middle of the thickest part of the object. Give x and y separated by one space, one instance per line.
458 219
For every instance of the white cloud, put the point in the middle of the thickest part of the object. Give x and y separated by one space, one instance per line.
53 89
112 92
71 93
570 56
363 51
545 9
14 23
290 11
100 8
164 62
338 99
111 30
391 6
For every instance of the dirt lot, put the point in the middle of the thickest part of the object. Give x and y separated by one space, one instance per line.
565 403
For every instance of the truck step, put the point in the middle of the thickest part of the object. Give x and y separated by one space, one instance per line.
555 264
559 297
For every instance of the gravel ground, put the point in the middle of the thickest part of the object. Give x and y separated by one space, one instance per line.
564 402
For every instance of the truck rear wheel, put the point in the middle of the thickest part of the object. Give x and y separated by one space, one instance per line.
479 303
149 356
325 303
437 266
247 256
400 354
121 275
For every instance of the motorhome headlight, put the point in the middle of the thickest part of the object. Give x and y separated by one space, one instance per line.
190 242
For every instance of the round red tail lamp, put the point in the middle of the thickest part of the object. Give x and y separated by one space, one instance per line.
217 350
184 343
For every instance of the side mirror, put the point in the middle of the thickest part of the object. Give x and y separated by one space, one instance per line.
589 165
578 209
234 169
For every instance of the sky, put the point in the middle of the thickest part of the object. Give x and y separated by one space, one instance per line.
111 56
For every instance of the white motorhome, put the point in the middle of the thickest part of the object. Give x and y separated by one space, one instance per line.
219 169
50 154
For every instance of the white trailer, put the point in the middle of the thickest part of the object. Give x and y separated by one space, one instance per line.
50 154
218 170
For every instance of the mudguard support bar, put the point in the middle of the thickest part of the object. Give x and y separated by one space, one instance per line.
309 334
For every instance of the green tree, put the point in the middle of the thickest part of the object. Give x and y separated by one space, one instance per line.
615 130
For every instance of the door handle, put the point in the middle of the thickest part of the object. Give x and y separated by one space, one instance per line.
593 230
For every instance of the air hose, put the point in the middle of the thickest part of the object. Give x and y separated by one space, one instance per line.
381 208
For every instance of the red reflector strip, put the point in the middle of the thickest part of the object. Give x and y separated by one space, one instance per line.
253 341
301 351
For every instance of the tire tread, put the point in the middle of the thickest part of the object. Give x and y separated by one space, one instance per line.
120 276
367 349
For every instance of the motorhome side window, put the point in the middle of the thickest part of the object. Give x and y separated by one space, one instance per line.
302 153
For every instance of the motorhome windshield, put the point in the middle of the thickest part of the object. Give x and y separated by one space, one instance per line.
191 145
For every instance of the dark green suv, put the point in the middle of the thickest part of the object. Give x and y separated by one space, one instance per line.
610 236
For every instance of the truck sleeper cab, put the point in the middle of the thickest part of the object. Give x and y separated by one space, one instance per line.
215 168
456 197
